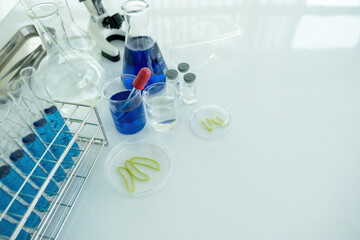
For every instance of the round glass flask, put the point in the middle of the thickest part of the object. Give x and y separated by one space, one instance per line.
69 75
78 38
141 49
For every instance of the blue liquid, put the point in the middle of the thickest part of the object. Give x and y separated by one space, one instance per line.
47 134
56 121
37 149
142 52
13 181
128 122
7 228
17 210
26 164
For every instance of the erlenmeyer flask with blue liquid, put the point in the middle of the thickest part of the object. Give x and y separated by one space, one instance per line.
141 49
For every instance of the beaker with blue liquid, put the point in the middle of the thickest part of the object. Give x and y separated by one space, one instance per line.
141 49
128 113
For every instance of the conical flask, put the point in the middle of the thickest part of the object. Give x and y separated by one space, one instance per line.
69 75
141 49
78 38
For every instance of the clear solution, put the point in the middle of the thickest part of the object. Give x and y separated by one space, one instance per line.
162 113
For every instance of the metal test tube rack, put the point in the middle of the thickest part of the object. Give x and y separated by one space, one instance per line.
89 133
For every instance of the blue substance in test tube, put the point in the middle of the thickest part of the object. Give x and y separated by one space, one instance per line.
13 180
57 122
37 149
7 228
17 210
47 134
26 164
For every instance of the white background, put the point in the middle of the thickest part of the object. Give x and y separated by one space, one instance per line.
289 167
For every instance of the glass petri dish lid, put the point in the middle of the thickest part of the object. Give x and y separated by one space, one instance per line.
202 41
148 148
210 122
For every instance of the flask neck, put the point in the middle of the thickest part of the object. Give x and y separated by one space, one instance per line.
137 18
50 28
64 12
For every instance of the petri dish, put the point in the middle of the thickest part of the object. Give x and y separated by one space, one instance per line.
149 148
210 112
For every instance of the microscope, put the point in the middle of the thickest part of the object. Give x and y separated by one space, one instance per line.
105 28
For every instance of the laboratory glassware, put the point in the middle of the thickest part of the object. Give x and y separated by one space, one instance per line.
7 228
128 113
189 88
173 80
27 103
17 128
160 100
48 107
77 37
12 151
17 210
14 181
210 122
183 69
68 74
141 49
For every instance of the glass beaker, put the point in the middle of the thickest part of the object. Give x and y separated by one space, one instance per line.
128 113
141 49
69 75
77 37
160 101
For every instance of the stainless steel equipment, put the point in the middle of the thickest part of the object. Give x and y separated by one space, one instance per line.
83 121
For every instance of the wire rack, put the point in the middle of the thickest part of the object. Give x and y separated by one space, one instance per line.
87 130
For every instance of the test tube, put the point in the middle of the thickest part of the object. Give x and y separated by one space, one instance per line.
13 180
47 105
7 228
37 149
27 104
17 210
21 132
21 159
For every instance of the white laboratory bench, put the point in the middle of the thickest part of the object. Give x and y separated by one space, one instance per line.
289 166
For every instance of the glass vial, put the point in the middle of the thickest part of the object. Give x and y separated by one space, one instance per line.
183 68
173 80
189 88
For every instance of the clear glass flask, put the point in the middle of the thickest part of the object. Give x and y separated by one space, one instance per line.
141 49
69 75
78 38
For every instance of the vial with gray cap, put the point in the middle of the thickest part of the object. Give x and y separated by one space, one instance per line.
189 89
173 80
182 68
